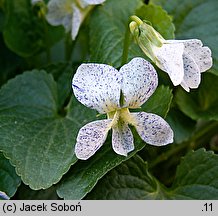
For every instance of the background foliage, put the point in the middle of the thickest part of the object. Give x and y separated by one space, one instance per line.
40 117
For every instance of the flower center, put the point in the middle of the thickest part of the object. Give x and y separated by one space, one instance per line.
122 114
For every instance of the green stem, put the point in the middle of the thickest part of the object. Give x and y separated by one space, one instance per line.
126 46
136 19
196 140
69 44
47 40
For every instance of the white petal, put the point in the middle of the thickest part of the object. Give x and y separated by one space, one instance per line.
85 3
185 86
152 128
76 21
60 13
139 82
192 75
122 138
97 86
91 137
4 196
200 54
169 59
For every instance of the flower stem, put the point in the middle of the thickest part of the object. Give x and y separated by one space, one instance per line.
199 138
69 44
136 19
47 40
126 46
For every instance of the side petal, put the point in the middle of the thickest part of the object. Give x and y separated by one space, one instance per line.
76 21
85 3
139 82
60 13
122 138
152 128
200 54
192 75
91 137
97 86
169 59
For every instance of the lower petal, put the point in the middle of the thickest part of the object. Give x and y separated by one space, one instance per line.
122 138
192 75
152 128
91 137
201 54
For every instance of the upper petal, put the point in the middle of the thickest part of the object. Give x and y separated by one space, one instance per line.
60 13
122 138
200 54
91 137
76 21
192 75
152 128
139 81
97 86
169 59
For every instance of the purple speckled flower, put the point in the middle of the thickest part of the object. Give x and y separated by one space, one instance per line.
113 92
183 60
69 13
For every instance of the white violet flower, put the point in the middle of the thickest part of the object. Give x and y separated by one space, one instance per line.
183 60
69 13
107 90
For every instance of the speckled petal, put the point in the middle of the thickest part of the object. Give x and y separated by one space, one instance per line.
192 75
122 138
139 82
97 86
169 59
152 128
76 21
60 13
91 137
200 54
85 3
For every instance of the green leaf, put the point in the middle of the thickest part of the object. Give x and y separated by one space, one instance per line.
197 177
159 19
107 30
33 34
159 103
9 180
62 73
33 135
189 22
25 193
9 62
201 103
85 175
183 126
129 181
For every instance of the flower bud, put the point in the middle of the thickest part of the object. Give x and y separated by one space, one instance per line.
146 36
